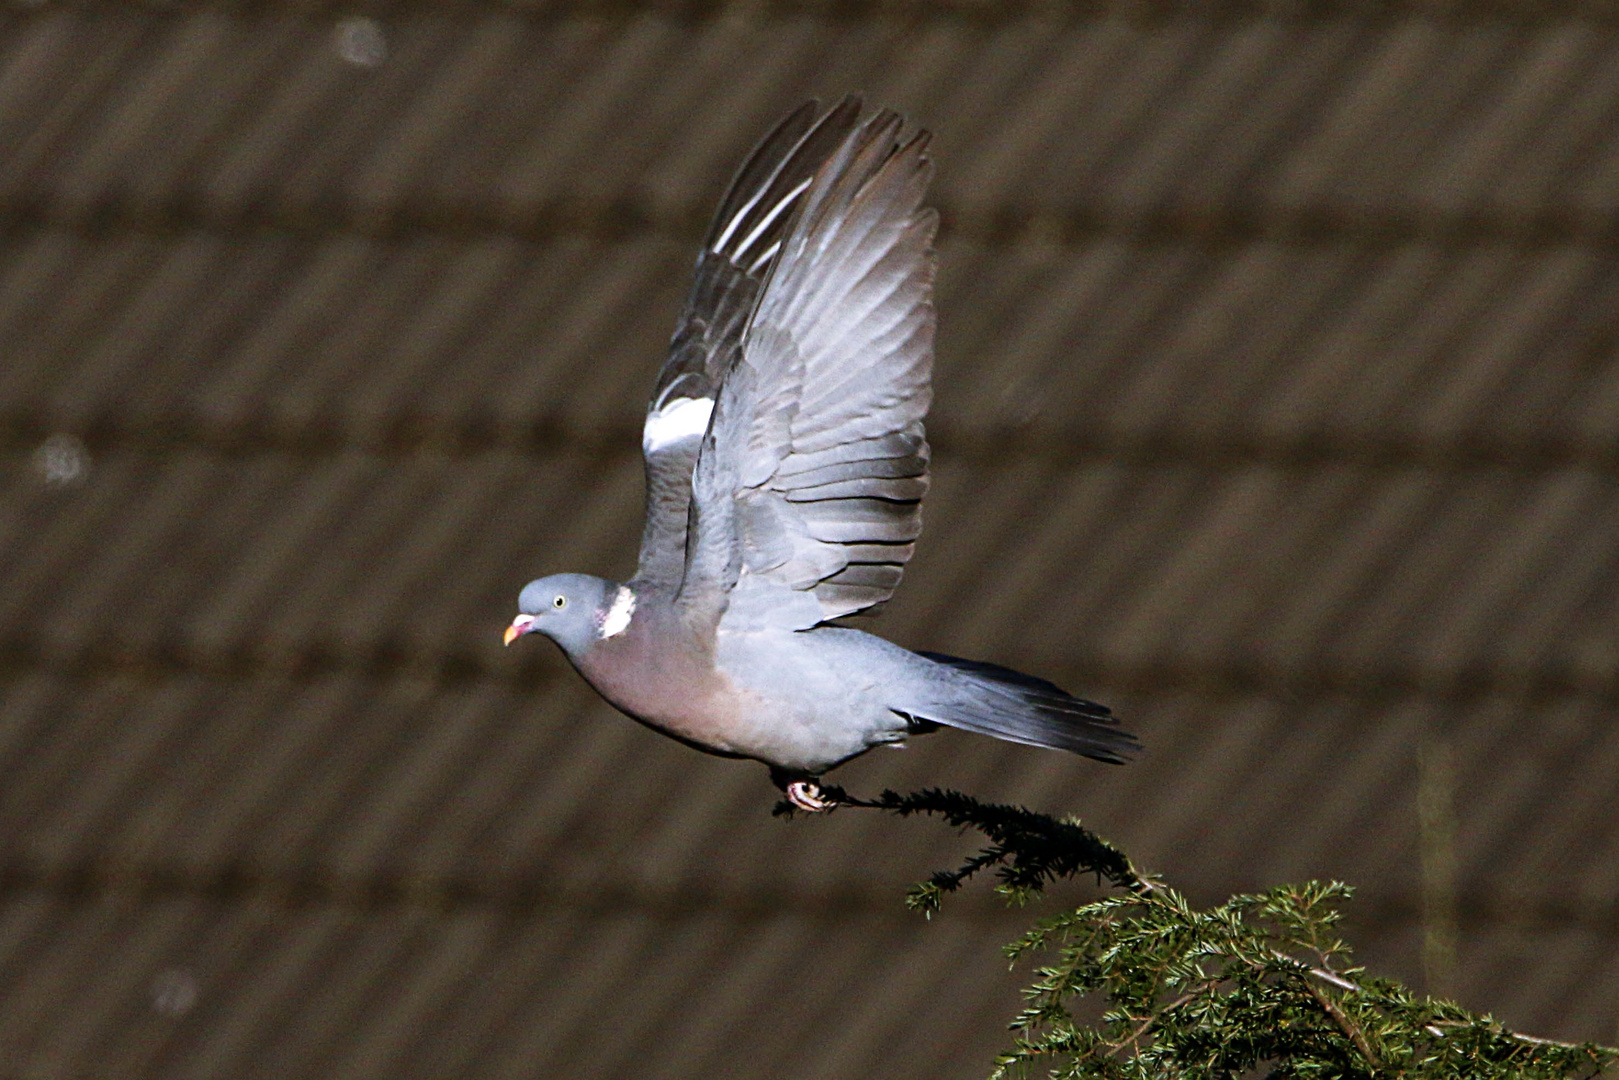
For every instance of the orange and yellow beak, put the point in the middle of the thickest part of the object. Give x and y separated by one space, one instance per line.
520 626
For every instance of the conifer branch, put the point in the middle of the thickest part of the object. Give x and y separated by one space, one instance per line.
1029 850
1346 1025
1255 986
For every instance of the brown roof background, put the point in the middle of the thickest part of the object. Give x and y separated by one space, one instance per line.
1277 406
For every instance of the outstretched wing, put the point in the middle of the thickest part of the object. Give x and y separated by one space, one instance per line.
809 484
742 245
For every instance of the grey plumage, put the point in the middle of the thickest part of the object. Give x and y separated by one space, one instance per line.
786 464
756 211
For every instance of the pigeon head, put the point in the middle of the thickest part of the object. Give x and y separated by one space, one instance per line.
573 610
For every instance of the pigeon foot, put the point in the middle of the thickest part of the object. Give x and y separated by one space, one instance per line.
808 797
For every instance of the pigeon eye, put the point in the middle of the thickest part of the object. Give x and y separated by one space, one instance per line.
560 602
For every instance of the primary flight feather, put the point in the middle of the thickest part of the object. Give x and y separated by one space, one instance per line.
785 468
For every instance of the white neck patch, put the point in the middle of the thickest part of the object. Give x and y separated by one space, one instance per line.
617 619
682 418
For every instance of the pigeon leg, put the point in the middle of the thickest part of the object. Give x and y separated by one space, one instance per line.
802 791
807 796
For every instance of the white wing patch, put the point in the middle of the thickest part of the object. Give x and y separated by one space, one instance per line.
617 619
680 419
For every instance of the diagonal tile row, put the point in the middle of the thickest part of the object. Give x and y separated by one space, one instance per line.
1412 578
502 119
1482 354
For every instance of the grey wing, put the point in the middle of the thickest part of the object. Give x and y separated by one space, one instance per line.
738 253
809 485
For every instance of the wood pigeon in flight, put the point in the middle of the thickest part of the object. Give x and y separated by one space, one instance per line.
785 469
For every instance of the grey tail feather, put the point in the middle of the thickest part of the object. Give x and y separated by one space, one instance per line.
1024 709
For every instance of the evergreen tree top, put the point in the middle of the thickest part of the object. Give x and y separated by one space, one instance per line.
1259 986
